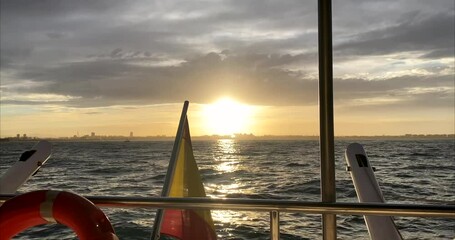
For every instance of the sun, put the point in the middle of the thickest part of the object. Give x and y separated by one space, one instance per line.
227 117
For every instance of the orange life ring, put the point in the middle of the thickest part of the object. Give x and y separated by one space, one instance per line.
46 206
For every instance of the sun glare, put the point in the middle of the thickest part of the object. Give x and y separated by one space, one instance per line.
227 117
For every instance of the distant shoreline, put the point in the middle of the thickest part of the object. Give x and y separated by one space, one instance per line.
237 137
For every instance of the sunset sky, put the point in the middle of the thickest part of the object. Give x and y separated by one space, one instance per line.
116 66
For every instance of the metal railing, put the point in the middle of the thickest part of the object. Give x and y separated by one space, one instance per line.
272 206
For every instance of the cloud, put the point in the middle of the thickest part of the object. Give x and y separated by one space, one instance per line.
114 81
105 53
56 35
13 55
252 78
401 92
431 34
49 8
64 30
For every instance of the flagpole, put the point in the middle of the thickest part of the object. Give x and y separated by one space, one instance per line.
170 170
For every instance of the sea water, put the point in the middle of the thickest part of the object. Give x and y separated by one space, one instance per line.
409 171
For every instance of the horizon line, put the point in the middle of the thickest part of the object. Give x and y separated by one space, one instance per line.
227 136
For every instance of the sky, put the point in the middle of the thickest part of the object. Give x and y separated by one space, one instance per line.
118 66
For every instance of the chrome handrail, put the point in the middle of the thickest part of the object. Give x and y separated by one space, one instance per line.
272 206
267 205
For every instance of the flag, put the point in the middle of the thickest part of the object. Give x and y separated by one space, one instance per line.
183 180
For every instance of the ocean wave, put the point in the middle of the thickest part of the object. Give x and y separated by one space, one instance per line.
410 172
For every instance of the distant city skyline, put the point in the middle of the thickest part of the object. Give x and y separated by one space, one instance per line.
115 67
239 136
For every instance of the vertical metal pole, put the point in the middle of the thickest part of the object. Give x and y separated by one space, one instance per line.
328 190
274 225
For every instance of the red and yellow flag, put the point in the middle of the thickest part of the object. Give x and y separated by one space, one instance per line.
185 181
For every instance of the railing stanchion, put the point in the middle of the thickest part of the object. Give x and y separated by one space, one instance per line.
328 189
274 225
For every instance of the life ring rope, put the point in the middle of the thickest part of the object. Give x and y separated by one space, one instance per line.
46 206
